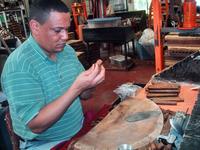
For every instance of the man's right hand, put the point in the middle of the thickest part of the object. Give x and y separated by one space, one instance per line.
91 77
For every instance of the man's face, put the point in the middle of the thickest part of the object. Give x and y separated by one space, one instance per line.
53 34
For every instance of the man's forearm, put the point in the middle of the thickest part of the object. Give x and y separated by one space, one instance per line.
49 114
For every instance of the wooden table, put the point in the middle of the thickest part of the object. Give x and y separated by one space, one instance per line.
117 35
114 130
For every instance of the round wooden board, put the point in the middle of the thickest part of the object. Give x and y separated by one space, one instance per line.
114 130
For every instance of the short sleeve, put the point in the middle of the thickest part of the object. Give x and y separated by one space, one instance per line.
24 94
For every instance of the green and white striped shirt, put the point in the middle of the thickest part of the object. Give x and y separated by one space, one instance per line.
31 80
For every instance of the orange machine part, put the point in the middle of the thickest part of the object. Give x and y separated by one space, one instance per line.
78 12
189 11
159 60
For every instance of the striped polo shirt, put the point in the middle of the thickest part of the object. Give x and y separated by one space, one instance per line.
31 80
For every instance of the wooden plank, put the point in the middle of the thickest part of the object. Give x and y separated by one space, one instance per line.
186 41
149 95
114 130
182 48
163 90
179 37
163 85
176 99
163 102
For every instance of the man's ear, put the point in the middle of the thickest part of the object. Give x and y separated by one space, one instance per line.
34 26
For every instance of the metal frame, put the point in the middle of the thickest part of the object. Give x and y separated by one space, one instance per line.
4 12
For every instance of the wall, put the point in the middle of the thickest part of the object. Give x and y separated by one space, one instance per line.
142 5
198 2
136 4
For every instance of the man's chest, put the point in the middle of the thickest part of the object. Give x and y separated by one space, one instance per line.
56 78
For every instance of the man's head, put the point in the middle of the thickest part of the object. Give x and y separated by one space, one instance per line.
49 21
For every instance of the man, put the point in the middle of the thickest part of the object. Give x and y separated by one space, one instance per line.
43 80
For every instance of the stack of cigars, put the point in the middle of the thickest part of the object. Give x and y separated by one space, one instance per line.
164 93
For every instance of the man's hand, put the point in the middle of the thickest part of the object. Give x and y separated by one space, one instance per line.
91 77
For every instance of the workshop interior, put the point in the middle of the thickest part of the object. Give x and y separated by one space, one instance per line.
150 49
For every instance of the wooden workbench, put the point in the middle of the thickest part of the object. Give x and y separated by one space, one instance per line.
114 130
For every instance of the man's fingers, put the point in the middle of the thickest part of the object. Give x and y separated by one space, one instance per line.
94 72
97 64
100 77
94 75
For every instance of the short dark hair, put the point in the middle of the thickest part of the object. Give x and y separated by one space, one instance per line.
40 9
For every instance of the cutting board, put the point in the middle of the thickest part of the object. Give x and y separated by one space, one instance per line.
115 130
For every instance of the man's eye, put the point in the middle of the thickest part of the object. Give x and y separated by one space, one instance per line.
57 30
